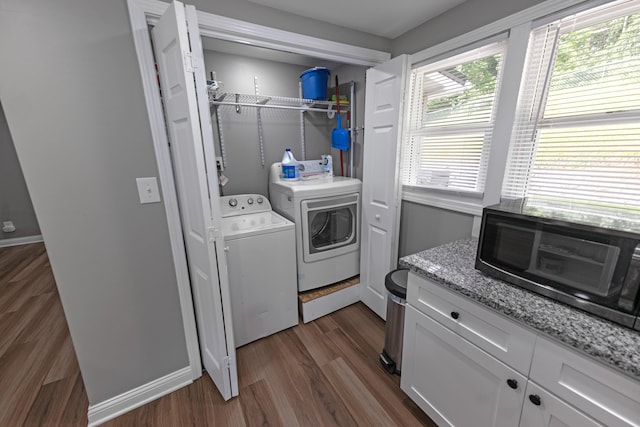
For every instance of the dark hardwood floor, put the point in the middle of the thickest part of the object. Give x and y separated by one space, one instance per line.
324 373
40 382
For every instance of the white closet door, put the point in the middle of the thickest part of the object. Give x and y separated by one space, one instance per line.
175 66
381 193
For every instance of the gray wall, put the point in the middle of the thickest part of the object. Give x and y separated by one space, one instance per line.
245 10
462 19
346 73
74 103
281 128
423 227
15 203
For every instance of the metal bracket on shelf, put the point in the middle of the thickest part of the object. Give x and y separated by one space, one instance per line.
330 112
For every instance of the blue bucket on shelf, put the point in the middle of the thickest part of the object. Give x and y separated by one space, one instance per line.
314 83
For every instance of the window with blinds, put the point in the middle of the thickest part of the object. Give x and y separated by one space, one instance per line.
577 130
451 115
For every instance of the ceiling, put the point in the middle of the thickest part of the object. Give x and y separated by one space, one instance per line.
389 18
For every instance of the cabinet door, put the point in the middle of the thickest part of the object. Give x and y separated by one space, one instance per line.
542 409
595 389
455 382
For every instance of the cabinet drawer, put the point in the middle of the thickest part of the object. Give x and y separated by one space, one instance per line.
455 382
609 397
498 336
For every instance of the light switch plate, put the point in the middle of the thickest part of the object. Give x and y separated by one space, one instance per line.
148 190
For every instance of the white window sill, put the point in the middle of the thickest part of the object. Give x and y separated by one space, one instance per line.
452 202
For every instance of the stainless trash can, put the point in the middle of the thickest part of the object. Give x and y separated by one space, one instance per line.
396 284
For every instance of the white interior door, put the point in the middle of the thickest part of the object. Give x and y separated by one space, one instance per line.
199 213
381 194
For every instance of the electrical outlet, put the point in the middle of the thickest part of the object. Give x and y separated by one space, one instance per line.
219 164
8 227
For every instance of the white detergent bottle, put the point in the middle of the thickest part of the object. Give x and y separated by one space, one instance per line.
289 165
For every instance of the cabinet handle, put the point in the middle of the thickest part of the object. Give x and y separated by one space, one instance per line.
512 383
535 399
455 314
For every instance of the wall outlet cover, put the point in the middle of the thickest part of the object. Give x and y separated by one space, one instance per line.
8 227
148 190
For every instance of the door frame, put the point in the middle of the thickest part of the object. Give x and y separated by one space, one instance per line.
143 13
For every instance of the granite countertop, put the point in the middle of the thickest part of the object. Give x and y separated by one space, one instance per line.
453 266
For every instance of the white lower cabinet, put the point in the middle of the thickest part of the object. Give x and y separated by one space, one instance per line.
455 382
543 409
465 368
606 395
505 340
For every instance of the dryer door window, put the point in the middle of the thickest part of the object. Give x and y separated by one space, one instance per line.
330 226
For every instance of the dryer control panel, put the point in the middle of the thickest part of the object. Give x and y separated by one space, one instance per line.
242 204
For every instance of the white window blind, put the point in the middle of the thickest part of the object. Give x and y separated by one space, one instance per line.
451 115
577 130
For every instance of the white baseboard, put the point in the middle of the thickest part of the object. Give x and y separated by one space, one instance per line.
125 402
326 304
20 241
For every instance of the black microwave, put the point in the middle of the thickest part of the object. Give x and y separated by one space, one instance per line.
583 255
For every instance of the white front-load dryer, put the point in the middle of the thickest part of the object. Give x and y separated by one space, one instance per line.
326 211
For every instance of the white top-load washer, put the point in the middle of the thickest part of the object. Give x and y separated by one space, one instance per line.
261 260
326 210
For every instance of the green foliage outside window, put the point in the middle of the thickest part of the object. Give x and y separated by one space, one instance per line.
591 46
476 81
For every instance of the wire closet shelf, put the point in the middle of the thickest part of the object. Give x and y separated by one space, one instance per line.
277 102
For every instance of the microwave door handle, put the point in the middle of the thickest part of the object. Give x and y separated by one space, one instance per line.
631 284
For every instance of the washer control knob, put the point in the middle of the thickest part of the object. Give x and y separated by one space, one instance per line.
250 200
233 203
259 200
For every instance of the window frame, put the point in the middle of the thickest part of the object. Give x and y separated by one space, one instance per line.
535 101
517 27
484 48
